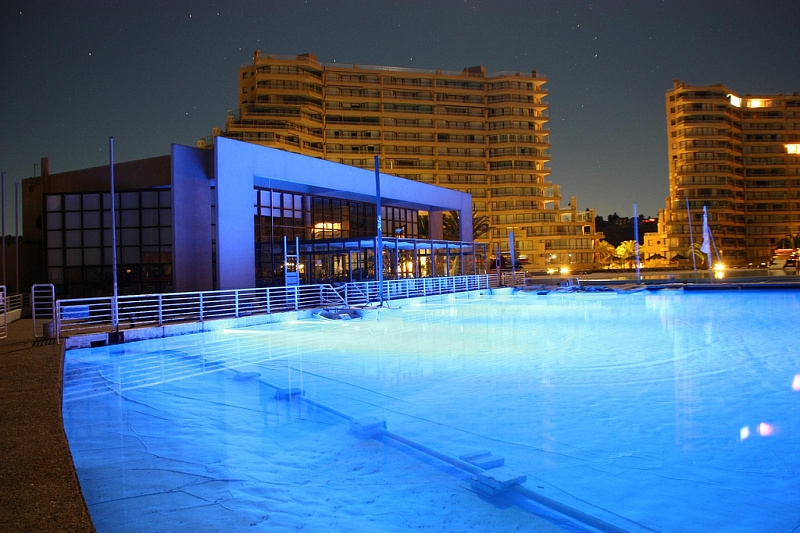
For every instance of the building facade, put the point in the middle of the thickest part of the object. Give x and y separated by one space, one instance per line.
481 134
225 219
737 155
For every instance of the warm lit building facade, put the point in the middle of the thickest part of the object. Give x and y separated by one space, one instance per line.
481 134
737 156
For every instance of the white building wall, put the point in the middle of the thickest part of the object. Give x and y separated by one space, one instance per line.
239 166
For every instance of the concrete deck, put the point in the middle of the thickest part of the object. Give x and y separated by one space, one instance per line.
39 487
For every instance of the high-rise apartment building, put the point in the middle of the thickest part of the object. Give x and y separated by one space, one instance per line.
485 134
737 155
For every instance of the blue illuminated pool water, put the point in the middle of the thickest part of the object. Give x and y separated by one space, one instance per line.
650 411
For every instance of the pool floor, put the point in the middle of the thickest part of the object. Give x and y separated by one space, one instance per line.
649 412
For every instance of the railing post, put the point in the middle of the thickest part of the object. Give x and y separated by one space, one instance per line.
346 294
201 306
266 296
236 303
160 311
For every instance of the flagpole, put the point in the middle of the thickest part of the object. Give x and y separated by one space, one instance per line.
16 233
3 224
636 240
114 301
379 242
691 239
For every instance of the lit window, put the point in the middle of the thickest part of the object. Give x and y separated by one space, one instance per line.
328 230
758 102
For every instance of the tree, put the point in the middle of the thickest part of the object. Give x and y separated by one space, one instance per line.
699 254
606 252
451 226
423 226
480 225
626 252
789 241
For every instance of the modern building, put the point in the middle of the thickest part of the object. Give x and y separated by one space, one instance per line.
484 134
736 155
228 218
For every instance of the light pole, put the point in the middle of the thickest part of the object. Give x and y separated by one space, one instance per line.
379 240
16 235
114 301
3 223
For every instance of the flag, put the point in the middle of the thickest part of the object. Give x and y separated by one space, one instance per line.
705 247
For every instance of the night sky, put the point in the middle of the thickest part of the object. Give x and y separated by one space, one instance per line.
152 73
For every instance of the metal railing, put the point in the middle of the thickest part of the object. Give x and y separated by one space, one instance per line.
4 313
94 315
15 302
10 303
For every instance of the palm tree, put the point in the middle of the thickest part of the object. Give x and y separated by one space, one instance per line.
626 252
451 226
789 241
423 226
697 252
606 252
480 225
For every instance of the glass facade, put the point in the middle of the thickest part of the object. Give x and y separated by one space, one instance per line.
78 243
337 241
336 235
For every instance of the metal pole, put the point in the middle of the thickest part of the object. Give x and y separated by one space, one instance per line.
379 251
3 223
114 302
513 253
16 232
636 240
691 239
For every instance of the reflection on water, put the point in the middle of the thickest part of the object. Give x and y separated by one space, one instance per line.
663 399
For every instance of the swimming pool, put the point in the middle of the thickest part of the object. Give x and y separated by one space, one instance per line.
665 411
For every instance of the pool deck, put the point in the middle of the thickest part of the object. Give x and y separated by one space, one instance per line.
40 489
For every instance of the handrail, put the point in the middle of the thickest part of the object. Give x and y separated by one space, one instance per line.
94 315
3 313
14 302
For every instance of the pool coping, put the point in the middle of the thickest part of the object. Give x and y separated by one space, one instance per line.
41 491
